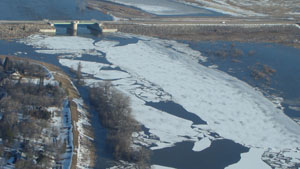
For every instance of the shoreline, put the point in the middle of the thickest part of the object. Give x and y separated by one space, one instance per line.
285 33
10 31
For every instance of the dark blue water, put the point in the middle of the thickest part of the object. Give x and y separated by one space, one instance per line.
105 155
48 9
220 154
176 110
284 60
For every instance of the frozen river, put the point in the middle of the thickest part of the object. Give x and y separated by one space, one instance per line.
198 109
189 111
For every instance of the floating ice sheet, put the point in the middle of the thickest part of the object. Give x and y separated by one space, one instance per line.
158 70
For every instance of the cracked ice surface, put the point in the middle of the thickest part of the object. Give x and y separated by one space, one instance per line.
232 108
158 70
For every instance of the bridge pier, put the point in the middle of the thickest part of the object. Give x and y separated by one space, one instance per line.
74 25
73 28
95 27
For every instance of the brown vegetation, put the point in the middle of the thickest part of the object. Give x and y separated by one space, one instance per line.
70 90
78 74
262 72
115 114
284 34
117 10
24 116
15 31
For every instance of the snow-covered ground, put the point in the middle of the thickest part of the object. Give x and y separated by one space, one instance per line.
163 7
83 150
67 135
249 7
160 167
159 70
223 7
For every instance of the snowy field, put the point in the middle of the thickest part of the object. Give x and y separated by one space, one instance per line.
163 7
245 8
160 70
276 8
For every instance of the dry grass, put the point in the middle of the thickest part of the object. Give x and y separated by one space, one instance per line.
15 31
271 8
286 35
117 10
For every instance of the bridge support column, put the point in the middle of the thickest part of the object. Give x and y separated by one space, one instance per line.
74 25
73 28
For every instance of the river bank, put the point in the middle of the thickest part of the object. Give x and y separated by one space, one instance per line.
10 31
286 34
83 155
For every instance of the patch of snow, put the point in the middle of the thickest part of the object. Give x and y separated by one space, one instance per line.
223 7
298 26
294 155
67 124
163 7
250 160
202 144
213 66
294 108
160 167
83 150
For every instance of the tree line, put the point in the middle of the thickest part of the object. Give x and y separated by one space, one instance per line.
115 114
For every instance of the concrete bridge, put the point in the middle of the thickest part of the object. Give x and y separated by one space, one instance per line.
72 26
96 26
49 26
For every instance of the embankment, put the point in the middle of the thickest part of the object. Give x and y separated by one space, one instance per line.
21 30
274 33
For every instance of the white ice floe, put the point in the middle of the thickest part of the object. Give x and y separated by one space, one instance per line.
250 160
161 70
168 128
226 103
202 144
62 45
93 68
160 167
297 25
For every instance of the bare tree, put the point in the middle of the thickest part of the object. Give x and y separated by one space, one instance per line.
115 114
78 74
